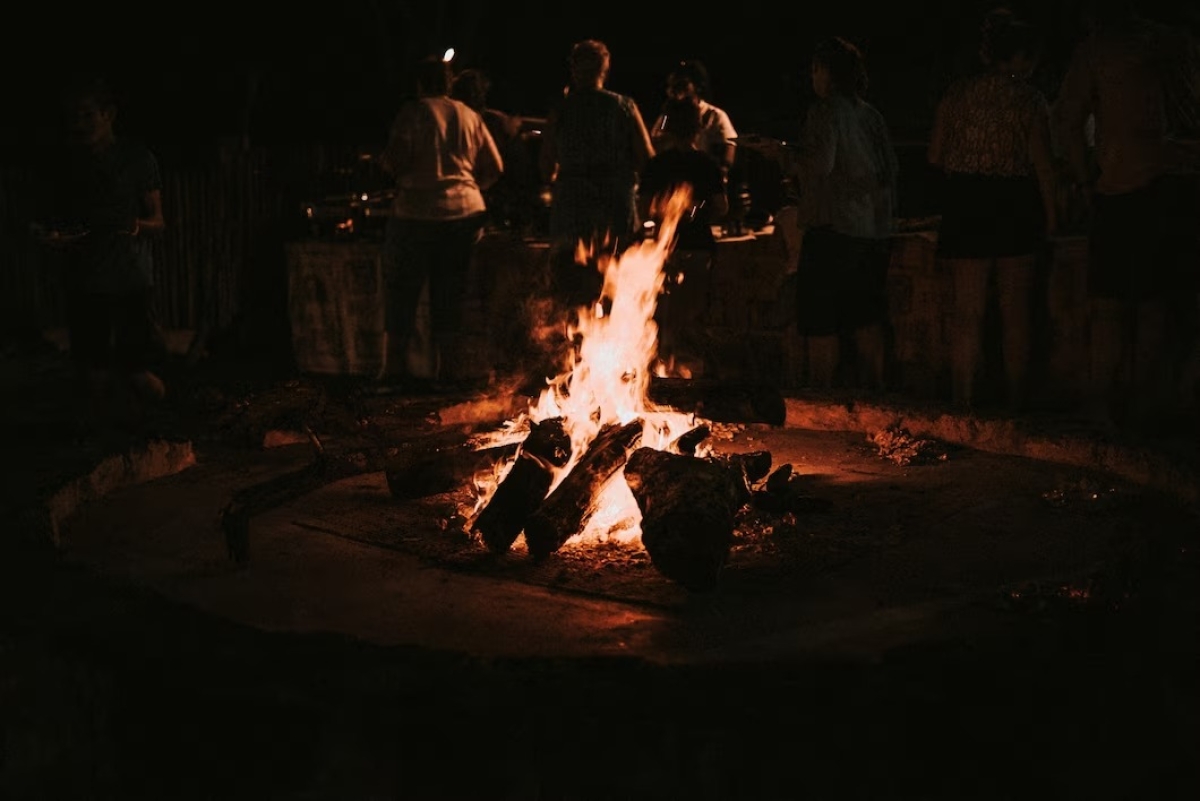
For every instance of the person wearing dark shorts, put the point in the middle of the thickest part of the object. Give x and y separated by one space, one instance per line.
991 140
1124 76
841 282
846 168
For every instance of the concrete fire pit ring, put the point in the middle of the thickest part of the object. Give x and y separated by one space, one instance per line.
391 587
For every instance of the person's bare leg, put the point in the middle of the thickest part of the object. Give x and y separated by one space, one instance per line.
1107 326
970 283
1151 371
823 352
1014 280
869 347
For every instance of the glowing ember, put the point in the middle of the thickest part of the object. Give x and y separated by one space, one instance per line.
608 383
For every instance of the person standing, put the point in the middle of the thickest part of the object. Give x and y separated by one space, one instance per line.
593 148
991 140
679 165
1121 79
442 158
102 208
717 136
846 170
507 196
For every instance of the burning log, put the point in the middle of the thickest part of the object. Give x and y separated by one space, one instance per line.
546 449
688 441
689 508
568 508
440 463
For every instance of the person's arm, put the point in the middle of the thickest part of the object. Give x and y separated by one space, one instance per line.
548 152
1041 154
657 131
1073 108
151 220
489 164
643 148
729 151
937 137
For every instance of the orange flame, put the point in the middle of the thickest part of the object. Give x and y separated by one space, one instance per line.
609 381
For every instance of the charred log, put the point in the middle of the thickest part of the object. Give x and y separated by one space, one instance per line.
688 441
440 463
565 512
689 508
278 490
782 494
546 449
748 468
720 401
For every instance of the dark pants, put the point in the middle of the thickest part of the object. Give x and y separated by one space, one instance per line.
114 331
437 251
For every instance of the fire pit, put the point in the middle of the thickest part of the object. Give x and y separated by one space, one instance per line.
594 458
692 537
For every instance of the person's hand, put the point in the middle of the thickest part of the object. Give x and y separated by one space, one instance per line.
55 237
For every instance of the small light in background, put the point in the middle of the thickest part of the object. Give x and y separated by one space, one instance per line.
448 56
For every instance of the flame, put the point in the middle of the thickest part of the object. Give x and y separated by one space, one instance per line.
608 380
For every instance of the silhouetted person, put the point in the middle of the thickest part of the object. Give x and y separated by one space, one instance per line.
1120 79
680 165
442 158
517 186
593 148
846 170
101 207
991 140
717 135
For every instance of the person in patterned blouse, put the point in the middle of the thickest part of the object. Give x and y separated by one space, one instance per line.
991 140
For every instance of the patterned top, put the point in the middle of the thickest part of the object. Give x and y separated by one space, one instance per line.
985 123
443 157
847 169
594 191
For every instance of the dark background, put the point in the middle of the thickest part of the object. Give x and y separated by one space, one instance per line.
192 76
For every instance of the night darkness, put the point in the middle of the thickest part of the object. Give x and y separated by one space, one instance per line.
189 78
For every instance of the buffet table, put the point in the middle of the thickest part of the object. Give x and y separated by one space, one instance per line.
336 309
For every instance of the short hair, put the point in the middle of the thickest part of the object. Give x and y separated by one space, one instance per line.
693 71
81 87
433 75
846 64
471 86
589 59
1005 36
681 118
